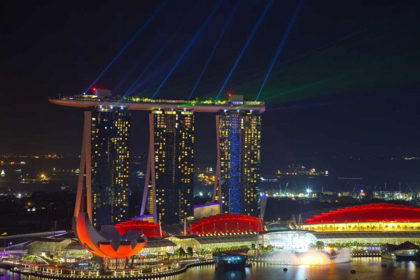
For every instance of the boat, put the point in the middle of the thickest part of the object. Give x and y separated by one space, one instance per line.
406 251
139 174
64 187
231 260
43 180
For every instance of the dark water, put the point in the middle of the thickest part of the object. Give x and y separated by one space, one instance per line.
33 169
345 174
57 170
366 269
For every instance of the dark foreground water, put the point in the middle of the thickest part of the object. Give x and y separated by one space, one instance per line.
366 269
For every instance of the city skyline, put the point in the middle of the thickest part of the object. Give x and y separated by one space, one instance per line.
210 139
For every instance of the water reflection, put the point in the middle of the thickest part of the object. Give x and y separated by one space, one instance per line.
366 269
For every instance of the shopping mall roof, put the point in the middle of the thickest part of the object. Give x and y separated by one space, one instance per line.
380 212
227 239
361 235
74 246
157 243
227 222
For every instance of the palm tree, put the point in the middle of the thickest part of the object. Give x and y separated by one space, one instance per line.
190 252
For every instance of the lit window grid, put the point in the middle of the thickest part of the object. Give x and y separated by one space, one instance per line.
110 148
240 144
174 165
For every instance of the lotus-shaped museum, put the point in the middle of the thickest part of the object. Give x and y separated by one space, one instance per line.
107 243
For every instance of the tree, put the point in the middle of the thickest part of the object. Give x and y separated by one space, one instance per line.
190 252
320 245
180 252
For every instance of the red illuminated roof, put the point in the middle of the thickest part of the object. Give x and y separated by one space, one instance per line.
368 213
227 223
144 227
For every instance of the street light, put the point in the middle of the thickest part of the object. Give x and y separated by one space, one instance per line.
308 191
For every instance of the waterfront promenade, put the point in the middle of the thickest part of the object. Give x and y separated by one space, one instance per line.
65 273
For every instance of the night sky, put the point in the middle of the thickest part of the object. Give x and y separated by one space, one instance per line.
345 83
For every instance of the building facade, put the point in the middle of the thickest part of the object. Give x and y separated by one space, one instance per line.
173 148
110 134
239 150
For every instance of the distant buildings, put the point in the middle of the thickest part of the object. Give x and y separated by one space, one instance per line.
239 148
110 134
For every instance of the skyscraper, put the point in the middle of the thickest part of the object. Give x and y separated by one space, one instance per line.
239 153
172 165
110 133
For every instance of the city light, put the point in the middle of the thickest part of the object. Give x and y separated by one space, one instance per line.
155 208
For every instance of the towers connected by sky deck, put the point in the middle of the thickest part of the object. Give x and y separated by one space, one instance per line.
168 192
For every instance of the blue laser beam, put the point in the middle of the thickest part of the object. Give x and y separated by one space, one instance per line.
128 92
245 46
156 56
129 42
283 40
147 68
120 83
188 47
152 78
214 48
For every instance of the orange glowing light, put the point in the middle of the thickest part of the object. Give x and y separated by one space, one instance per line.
98 245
